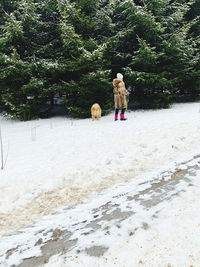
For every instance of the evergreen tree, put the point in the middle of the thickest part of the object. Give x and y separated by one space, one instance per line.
14 71
158 65
88 80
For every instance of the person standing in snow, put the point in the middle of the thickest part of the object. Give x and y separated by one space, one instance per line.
120 94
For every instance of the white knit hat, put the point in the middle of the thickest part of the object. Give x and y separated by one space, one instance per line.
119 76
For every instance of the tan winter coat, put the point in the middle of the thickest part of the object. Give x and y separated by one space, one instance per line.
120 94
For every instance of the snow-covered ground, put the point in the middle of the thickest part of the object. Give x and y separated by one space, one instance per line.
165 235
52 162
148 221
98 176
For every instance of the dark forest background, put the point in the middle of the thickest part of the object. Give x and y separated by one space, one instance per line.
72 49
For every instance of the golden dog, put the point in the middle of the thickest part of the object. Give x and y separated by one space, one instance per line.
95 111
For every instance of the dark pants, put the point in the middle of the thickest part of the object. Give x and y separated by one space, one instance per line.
117 111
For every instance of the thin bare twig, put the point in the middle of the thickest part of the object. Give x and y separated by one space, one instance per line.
1 143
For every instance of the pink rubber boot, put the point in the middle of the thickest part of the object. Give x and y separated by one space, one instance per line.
116 117
122 117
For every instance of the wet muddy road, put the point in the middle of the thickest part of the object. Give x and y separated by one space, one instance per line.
72 227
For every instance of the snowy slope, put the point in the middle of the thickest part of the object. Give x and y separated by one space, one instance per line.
60 161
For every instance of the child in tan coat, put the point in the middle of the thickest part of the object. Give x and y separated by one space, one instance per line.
120 94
